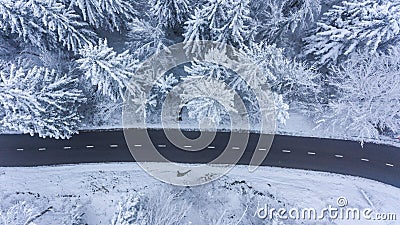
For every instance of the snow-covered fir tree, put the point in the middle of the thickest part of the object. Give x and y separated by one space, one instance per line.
166 83
276 18
109 14
39 101
196 29
109 71
236 28
368 96
367 25
293 80
224 21
44 23
252 81
281 109
145 37
207 99
170 13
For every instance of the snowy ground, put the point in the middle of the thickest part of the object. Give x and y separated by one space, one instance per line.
94 191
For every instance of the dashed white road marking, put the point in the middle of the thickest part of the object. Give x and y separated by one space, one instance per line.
20 149
162 146
113 146
89 146
67 147
42 149
311 153
365 160
137 145
235 148
262 149
286 151
338 156
211 147
388 164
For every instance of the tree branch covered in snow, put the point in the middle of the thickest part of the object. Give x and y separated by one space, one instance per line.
367 25
38 100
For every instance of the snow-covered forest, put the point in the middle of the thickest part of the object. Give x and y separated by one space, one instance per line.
66 64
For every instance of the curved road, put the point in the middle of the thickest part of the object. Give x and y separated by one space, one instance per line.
377 162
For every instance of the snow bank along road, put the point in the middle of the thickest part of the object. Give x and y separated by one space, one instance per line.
377 162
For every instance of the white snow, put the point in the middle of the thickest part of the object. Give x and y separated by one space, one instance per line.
97 189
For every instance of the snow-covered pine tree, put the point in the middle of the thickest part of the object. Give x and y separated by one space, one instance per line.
109 14
146 37
109 71
368 97
275 18
39 101
368 25
170 13
44 23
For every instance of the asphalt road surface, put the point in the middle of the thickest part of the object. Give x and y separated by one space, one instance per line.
377 162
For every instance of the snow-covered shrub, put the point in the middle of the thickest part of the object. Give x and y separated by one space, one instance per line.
109 14
99 112
224 21
130 211
227 201
75 216
157 206
107 70
368 96
275 18
38 100
44 23
145 37
170 13
367 25
21 213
